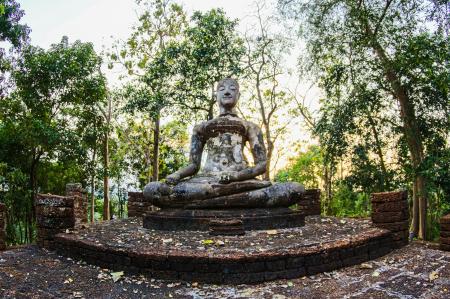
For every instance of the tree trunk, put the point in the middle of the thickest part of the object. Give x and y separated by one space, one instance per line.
413 138
327 187
379 151
106 212
212 103
94 155
155 160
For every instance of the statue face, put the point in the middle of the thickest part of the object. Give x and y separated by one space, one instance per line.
228 94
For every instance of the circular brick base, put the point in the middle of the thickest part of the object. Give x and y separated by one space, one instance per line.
321 245
252 219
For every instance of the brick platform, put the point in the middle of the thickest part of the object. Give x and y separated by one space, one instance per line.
2 226
137 207
168 255
390 211
444 240
309 203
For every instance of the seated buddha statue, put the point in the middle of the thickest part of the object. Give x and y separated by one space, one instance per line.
225 180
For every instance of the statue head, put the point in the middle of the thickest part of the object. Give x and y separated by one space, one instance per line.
227 95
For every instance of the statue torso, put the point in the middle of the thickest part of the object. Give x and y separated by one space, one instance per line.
224 138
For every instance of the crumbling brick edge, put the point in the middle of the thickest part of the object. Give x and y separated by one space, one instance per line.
231 268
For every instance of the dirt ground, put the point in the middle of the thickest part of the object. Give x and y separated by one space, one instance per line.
416 271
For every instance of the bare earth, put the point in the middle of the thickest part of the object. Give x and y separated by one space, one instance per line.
416 271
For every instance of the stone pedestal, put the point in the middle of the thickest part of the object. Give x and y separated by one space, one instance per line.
444 240
137 206
309 202
390 211
202 220
2 226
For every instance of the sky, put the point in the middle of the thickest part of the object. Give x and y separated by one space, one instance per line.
101 21
104 21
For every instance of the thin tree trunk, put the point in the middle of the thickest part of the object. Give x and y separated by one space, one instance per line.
106 212
379 151
212 103
155 160
94 155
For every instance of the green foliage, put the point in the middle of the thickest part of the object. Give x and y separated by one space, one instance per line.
370 57
210 51
306 169
45 126
346 203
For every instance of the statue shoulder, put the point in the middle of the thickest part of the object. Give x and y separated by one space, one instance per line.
199 128
252 128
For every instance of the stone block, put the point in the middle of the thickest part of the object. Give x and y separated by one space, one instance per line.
444 240
389 217
389 206
48 222
445 234
53 200
445 219
444 247
54 212
389 196
445 226
394 226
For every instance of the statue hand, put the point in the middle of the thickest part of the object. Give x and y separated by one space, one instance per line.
173 179
227 178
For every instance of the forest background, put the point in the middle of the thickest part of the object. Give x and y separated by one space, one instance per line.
352 97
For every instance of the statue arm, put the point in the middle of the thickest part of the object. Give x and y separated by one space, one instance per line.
258 149
195 159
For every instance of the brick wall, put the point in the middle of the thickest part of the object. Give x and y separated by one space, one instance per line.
309 202
80 203
55 214
137 207
390 211
444 240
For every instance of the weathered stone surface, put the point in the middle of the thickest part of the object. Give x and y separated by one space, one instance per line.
389 206
52 211
389 217
445 226
445 219
137 205
394 226
389 196
403 273
178 219
54 200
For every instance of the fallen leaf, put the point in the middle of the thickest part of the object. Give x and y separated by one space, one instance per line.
220 243
433 275
290 284
194 284
375 274
68 280
366 266
207 242
116 275
271 232
166 241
